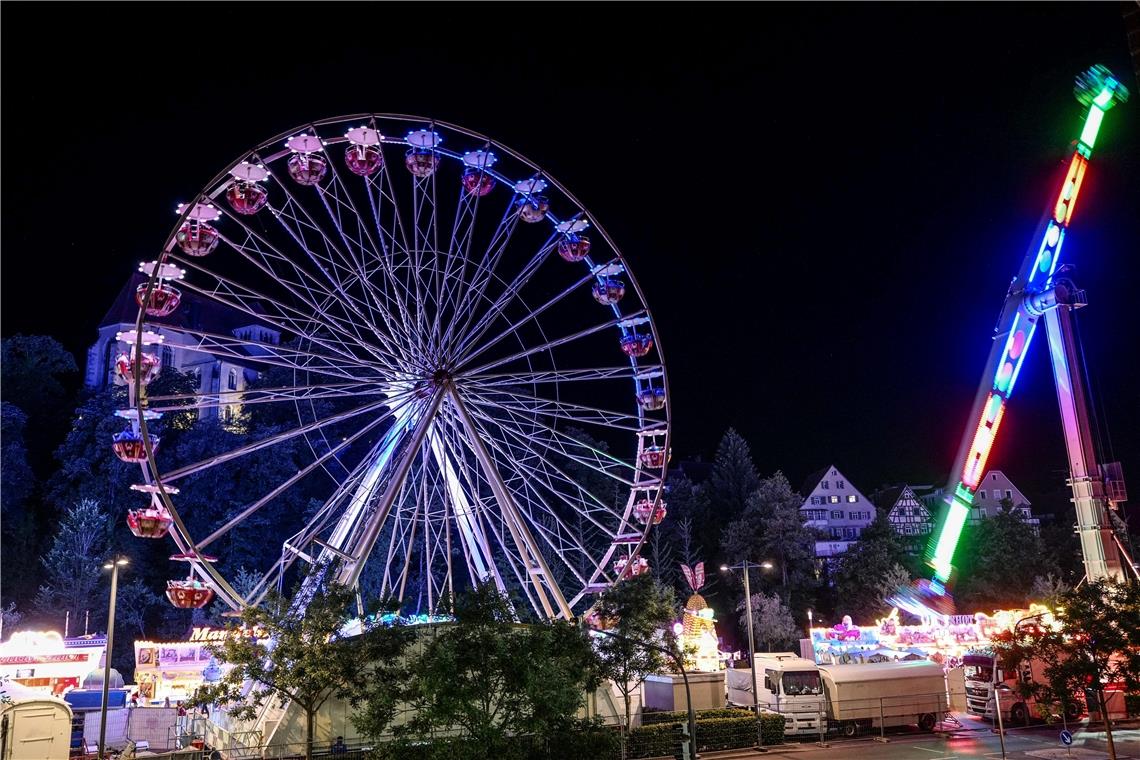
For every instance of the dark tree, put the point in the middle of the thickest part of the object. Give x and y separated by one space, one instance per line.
17 488
308 661
638 609
494 679
998 560
1094 647
733 478
74 563
772 530
33 369
870 570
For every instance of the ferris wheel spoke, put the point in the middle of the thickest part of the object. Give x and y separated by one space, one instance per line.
513 328
583 414
536 563
481 319
522 474
548 472
289 393
467 293
260 252
273 440
468 505
275 354
495 380
378 300
561 443
287 318
289 482
375 249
329 263
548 345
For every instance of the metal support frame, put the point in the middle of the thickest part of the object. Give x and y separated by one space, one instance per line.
1098 547
528 549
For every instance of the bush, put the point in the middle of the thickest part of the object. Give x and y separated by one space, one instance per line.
579 740
716 730
653 718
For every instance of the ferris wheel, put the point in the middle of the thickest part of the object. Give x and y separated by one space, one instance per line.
460 347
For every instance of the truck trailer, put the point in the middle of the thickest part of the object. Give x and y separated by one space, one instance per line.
883 695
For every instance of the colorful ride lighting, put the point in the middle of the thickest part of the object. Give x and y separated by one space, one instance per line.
951 532
1063 211
983 440
1092 123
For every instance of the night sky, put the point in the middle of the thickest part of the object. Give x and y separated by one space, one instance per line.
823 204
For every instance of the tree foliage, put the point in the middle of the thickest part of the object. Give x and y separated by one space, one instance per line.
641 609
998 560
304 658
772 529
493 678
1095 645
870 570
33 369
772 622
73 565
734 477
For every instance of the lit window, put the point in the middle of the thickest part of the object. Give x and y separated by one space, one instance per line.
852 498
834 499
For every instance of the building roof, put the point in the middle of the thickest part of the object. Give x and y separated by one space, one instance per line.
195 312
886 498
813 480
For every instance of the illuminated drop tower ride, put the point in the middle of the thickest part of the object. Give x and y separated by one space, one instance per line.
1042 291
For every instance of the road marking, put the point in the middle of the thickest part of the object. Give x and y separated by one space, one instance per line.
926 749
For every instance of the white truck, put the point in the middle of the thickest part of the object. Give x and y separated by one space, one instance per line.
863 697
786 683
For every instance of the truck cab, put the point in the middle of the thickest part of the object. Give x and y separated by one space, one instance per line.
985 676
787 684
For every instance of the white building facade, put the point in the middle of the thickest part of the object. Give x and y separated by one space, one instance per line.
837 508
224 375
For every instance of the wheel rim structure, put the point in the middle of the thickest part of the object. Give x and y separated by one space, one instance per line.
461 349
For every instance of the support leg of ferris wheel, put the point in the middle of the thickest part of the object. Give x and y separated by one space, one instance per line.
532 558
473 539
350 572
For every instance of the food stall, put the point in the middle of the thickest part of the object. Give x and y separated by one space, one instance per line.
47 662
176 669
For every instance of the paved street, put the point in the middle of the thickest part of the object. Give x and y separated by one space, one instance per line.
1041 743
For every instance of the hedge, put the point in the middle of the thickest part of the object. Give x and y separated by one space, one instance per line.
652 718
714 732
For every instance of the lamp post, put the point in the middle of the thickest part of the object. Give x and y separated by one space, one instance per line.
113 566
744 566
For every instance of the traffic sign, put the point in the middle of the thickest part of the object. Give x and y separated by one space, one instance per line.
1066 738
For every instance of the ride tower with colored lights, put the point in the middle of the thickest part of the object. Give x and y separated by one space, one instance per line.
1041 291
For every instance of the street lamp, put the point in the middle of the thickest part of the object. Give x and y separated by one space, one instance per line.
745 565
113 566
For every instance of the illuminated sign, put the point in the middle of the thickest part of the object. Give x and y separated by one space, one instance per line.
207 633
41 659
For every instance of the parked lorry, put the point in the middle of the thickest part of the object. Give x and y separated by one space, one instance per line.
883 695
985 675
786 683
